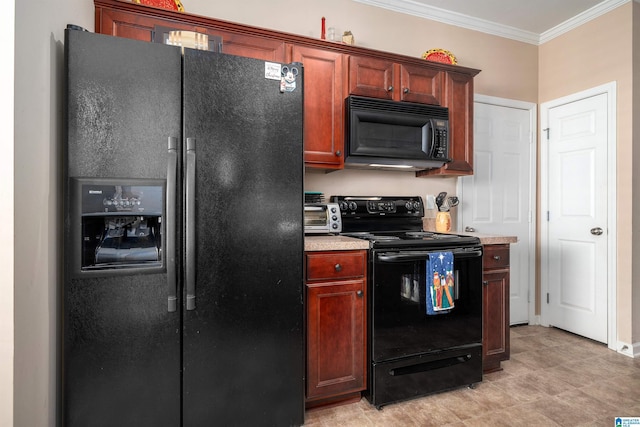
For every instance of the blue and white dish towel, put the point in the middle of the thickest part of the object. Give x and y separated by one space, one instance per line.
440 283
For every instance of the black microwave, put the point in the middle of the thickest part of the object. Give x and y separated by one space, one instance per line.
396 135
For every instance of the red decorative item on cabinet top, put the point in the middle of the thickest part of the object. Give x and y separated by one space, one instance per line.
440 55
163 4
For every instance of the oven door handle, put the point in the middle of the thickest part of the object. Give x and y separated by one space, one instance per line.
404 256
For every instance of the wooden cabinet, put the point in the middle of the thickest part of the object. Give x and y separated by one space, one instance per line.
251 47
336 326
332 72
379 78
129 25
323 106
143 27
495 297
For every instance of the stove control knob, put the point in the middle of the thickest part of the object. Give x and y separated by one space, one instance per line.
416 205
353 206
343 206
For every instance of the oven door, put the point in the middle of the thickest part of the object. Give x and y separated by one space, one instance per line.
400 325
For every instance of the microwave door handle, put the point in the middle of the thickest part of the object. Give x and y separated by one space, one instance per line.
429 139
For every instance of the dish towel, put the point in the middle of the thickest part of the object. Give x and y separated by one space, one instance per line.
440 283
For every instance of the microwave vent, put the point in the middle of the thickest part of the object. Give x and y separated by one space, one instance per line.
383 105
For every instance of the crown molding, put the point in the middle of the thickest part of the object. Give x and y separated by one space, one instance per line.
582 18
420 10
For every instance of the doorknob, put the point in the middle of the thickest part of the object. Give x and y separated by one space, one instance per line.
596 231
469 229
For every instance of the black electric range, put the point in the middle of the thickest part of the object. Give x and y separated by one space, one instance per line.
411 351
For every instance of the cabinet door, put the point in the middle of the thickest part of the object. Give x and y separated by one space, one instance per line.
323 106
130 25
418 84
371 77
140 27
251 46
335 338
495 325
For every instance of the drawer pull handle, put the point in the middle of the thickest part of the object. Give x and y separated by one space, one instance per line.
390 89
496 257
338 267
359 293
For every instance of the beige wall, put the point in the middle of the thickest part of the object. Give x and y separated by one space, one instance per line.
7 27
39 35
634 235
596 53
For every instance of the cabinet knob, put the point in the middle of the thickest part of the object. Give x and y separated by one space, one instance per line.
496 257
338 267
359 293
390 88
338 153
406 90
485 282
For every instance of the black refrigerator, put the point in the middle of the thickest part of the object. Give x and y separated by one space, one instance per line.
183 247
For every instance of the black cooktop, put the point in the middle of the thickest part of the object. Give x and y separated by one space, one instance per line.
414 239
393 221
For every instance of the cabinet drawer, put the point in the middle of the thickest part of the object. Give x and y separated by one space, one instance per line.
495 256
335 265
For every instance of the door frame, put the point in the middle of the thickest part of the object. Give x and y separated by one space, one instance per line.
531 108
610 90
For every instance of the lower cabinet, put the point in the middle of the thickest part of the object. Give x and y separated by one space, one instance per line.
495 297
336 327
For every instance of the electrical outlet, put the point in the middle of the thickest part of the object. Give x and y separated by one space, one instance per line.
431 201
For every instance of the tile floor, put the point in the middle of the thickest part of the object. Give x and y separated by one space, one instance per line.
553 378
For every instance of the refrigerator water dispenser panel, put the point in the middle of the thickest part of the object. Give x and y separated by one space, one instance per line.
120 225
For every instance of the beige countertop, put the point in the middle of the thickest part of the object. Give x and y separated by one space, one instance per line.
343 243
333 243
491 239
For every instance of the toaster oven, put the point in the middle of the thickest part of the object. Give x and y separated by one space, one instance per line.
322 218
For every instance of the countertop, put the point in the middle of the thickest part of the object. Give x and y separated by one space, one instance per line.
343 243
490 239
333 243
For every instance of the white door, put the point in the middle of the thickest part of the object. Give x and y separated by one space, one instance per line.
500 196
577 272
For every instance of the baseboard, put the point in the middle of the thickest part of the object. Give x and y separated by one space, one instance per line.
631 350
535 320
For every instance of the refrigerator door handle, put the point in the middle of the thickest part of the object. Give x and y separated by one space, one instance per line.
190 222
170 239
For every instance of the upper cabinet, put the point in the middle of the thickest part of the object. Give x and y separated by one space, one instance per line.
332 71
323 106
144 26
379 78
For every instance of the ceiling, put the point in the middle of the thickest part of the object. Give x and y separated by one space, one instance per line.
529 21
